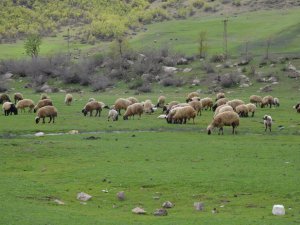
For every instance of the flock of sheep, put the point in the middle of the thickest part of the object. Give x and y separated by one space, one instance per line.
226 112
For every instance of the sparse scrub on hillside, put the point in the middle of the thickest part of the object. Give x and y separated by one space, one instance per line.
207 67
198 4
229 80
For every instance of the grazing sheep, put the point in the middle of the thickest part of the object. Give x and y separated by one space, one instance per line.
176 106
220 95
276 102
46 111
184 113
17 97
148 107
24 103
4 98
44 96
267 122
132 100
297 107
221 101
251 108
90 107
42 103
267 100
223 108
191 95
235 102
161 101
91 100
196 105
196 99
113 114
68 99
121 103
242 110
9 108
207 103
171 113
255 99
167 107
134 109
224 119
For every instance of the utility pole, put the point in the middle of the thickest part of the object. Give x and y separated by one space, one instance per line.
225 38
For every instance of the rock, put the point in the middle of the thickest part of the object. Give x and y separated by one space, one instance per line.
167 204
278 210
187 70
160 212
199 206
28 85
73 132
138 210
121 196
182 61
244 85
8 75
39 134
169 69
59 202
267 88
83 196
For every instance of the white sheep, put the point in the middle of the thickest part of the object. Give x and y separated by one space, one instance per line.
224 119
24 103
206 103
184 113
276 102
134 109
223 108
268 122
46 111
68 99
112 114
196 105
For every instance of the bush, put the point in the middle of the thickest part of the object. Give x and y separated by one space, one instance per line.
207 67
229 80
198 4
219 58
146 88
136 83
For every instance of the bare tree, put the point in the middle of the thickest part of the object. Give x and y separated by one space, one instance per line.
202 41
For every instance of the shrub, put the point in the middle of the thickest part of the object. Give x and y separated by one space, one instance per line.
207 67
198 4
229 80
146 88
218 58
136 83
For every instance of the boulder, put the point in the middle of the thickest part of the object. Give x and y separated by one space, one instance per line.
167 204
121 196
278 210
138 210
169 69
160 212
199 206
83 196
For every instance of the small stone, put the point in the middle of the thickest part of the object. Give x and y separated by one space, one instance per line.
121 196
167 204
199 206
39 134
138 210
83 196
160 212
59 202
278 210
73 132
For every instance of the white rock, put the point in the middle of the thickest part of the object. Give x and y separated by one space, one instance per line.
59 202
278 210
162 116
167 204
186 70
138 210
169 69
73 132
83 196
199 206
39 134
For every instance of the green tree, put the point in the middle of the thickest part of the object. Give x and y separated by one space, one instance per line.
202 39
32 45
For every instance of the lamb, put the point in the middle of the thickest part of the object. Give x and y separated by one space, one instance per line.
235 102
113 114
191 95
161 101
224 119
207 103
4 98
132 100
167 107
9 108
134 109
184 113
121 103
24 103
221 101
90 107
42 103
267 122
148 107
223 108
220 95
276 102
68 99
255 99
46 111
267 100
242 110
251 108
196 105
17 97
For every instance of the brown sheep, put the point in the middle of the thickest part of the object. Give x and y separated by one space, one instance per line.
184 113
17 97
167 107
207 103
24 103
191 95
297 107
242 110
223 108
68 99
220 95
221 101
224 119
255 99
267 100
161 101
46 111
9 108
44 96
121 103
132 100
251 108
134 109
4 98
235 102
42 103
197 106
90 107
148 107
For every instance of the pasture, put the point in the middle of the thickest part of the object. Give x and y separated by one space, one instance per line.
242 176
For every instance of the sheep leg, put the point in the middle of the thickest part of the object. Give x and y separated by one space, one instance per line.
53 119
266 126
44 120
50 118
252 114
91 113
270 128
